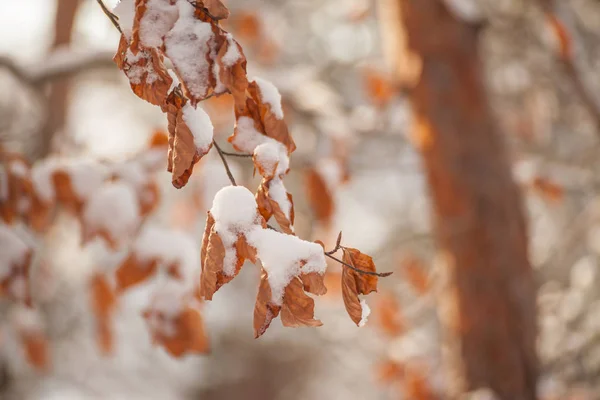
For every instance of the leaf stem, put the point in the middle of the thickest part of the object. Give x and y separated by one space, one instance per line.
225 164
360 271
113 18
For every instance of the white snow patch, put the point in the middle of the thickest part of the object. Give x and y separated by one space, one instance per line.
271 154
235 212
41 178
278 193
281 257
125 11
331 171
186 46
366 311
166 304
86 176
271 96
19 169
158 20
114 209
232 55
200 125
13 251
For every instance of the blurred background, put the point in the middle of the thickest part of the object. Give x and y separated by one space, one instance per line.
62 96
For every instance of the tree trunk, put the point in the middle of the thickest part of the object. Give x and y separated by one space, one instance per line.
487 304
58 100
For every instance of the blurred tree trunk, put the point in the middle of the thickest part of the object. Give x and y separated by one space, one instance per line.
59 91
487 293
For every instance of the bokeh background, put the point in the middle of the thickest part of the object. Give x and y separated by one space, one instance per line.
332 62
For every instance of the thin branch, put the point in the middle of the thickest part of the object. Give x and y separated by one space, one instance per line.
113 18
338 245
225 164
237 154
360 271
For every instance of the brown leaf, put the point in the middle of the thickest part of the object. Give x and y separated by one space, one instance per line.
354 283
388 315
233 77
132 271
390 371
319 197
298 308
245 251
185 153
212 269
104 301
267 207
379 88
314 283
264 310
563 37
188 335
415 272
548 189
216 9
36 349
273 127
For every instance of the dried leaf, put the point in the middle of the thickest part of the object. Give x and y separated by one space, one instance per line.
379 88
264 310
314 283
319 197
354 283
565 46
388 315
186 336
36 350
212 277
132 271
415 272
216 9
390 371
548 189
104 302
298 309
233 77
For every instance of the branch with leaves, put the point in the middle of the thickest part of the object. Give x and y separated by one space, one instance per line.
207 61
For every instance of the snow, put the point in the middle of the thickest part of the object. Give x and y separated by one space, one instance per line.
200 125
19 169
270 154
114 209
41 178
235 212
170 246
278 193
125 11
331 171
13 251
159 18
186 45
131 172
232 55
246 136
271 96
166 304
27 320
366 311
86 177
281 256
467 10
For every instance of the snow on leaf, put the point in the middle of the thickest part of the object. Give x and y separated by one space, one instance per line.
354 283
174 323
29 327
15 259
189 45
298 309
112 213
153 20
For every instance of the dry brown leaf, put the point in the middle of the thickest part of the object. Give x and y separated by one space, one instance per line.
388 315
188 334
132 271
563 37
216 9
37 351
212 277
415 272
380 89
314 283
19 274
548 189
390 371
65 194
247 26
267 207
298 309
264 310
354 283
273 127
104 301
319 197
233 77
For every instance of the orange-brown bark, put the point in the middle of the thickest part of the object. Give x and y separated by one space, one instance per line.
487 303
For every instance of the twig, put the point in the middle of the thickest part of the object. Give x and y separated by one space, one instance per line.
337 245
237 154
360 271
113 18
225 164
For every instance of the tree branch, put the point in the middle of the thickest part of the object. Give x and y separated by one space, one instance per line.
225 164
113 18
